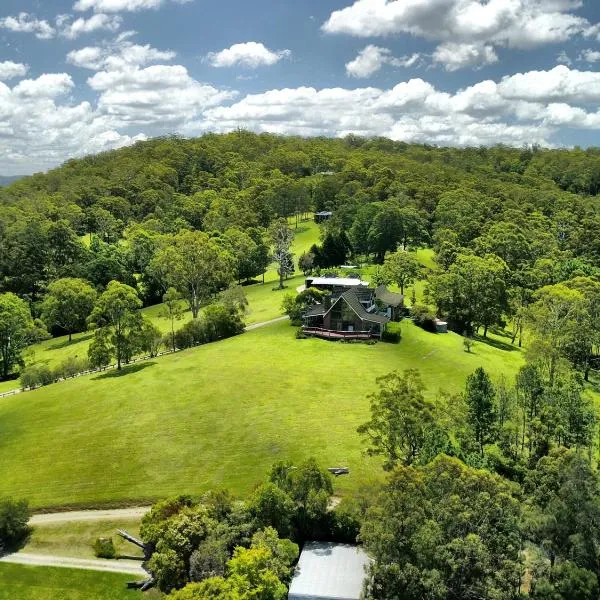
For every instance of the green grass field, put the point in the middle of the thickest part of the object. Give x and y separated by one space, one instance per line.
18 582
76 538
214 416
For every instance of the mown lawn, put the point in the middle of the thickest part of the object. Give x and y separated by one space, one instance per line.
76 538
214 416
18 582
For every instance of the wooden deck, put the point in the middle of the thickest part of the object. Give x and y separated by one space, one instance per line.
338 335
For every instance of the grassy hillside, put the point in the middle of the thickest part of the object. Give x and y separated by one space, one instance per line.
18 582
217 415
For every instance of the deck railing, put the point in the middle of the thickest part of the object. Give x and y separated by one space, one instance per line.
338 335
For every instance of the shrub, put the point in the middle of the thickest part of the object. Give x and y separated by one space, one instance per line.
300 335
14 528
36 376
70 367
104 548
392 337
215 323
423 317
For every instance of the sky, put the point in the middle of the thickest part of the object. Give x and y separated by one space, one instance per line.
84 76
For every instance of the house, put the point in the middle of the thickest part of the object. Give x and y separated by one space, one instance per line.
350 314
328 571
324 215
334 284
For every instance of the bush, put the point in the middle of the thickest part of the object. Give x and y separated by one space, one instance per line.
423 317
36 376
70 367
300 335
14 528
392 337
215 323
104 548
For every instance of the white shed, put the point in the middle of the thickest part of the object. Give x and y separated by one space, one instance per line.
328 571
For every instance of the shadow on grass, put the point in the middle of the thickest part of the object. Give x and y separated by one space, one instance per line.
496 344
127 370
12 546
67 343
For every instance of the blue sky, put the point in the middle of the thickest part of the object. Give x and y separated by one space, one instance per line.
81 76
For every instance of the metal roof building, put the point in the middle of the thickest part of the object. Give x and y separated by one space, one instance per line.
328 571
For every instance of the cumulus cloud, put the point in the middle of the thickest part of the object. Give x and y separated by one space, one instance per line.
159 94
372 58
113 6
589 56
41 128
560 84
26 23
10 70
455 56
73 29
248 54
117 55
472 27
64 25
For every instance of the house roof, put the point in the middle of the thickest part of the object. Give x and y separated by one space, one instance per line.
336 281
328 571
352 299
387 297
317 310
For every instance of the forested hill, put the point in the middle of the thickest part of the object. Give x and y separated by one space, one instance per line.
520 204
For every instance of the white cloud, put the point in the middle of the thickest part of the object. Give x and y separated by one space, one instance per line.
248 54
117 55
372 58
64 25
160 94
48 85
560 84
73 29
455 56
564 59
10 70
113 6
473 27
26 23
589 55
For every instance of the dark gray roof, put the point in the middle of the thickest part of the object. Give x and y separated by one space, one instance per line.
387 297
316 311
353 301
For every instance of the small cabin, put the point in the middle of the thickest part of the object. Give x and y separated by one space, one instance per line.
323 215
328 571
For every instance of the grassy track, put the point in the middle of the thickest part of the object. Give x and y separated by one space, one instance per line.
217 415
76 539
18 582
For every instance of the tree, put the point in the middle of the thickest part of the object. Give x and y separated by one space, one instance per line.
554 320
117 310
100 350
14 524
150 338
68 304
480 399
444 531
196 266
172 310
472 293
306 262
15 323
403 268
281 240
400 417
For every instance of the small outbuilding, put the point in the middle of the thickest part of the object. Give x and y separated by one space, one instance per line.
328 571
323 215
